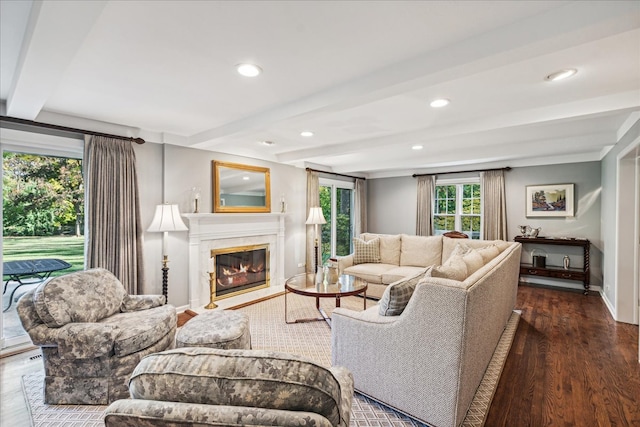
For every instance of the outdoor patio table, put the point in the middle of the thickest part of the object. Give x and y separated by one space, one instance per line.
40 269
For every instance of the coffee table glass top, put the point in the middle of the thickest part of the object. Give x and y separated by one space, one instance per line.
304 284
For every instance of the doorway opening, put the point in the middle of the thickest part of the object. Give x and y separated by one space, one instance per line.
42 227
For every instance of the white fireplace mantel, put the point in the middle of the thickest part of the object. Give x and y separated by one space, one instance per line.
208 231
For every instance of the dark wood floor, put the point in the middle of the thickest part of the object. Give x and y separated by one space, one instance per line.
570 364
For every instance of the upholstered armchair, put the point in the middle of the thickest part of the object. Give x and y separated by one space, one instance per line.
93 334
215 387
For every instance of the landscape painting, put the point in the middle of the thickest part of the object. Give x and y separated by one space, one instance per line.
555 200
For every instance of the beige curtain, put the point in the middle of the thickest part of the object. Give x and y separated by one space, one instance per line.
494 209
313 200
426 195
112 225
360 207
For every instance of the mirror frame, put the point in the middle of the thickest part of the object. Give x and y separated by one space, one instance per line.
219 208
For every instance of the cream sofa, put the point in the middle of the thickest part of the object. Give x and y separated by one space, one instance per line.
400 255
429 360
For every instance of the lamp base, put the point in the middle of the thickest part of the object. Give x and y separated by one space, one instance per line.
165 279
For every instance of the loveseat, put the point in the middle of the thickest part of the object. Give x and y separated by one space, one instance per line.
219 387
425 347
93 334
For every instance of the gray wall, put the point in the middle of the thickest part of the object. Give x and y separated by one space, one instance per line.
392 209
585 223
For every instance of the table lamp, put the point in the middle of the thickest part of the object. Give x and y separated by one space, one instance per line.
315 218
167 218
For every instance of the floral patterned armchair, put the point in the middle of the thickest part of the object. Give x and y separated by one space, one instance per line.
93 334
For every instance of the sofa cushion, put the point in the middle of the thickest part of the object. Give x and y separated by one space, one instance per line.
395 274
454 269
421 251
397 295
254 378
372 273
85 296
389 247
366 252
141 329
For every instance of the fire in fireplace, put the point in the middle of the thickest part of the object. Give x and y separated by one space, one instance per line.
240 269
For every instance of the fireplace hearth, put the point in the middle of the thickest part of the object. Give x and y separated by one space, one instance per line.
239 269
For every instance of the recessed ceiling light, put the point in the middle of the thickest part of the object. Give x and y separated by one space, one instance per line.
267 143
437 103
248 70
417 147
306 133
561 75
245 178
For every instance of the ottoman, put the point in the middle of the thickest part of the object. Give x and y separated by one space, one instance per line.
216 329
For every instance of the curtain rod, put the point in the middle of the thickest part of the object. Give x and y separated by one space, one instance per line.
337 174
415 175
26 122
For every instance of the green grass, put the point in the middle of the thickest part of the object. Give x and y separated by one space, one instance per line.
66 248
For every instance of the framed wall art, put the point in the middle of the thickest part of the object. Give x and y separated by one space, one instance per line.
549 200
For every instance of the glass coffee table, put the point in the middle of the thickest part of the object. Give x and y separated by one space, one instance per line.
304 284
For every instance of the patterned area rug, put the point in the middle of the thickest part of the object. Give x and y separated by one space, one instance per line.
310 339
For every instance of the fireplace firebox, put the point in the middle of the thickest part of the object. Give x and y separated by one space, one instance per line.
240 269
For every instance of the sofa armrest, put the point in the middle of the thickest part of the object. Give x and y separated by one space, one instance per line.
141 302
344 262
86 340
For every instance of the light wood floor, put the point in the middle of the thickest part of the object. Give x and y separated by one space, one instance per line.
570 365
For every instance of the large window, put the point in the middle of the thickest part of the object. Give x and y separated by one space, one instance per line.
336 200
457 207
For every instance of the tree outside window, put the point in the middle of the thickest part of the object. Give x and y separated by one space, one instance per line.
458 208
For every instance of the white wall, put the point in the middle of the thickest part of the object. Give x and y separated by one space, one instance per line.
392 208
618 294
185 168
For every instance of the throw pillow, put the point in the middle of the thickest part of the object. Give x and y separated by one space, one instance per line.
488 253
366 252
473 260
397 295
454 269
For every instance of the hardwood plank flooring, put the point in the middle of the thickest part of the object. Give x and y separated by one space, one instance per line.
570 364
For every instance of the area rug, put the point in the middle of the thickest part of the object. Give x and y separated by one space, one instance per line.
310 339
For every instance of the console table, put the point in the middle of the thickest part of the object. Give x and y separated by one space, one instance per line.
558 272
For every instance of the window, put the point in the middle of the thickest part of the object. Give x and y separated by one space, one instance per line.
336 200
458 207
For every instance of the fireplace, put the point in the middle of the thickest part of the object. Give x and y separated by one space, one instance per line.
239 269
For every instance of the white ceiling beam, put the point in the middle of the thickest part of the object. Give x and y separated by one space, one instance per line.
559 28
55 32
547 114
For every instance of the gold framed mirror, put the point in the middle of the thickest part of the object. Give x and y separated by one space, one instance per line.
240 188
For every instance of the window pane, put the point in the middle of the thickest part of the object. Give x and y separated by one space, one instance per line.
344 227
325 229
451 206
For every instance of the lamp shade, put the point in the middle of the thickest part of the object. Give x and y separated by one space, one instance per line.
315 216
167 218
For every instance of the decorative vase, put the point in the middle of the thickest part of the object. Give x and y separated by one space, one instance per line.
566 261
